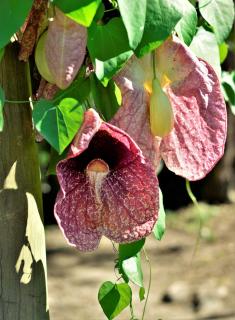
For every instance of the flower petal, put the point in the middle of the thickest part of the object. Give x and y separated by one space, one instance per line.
78 216
133 115
130 202
197 141
65 48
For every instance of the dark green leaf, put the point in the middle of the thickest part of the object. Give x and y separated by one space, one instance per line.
55 157
106 99
160 226
128 250
58 123
2 101
82 11
161 18
205 46
220 15
141 293
223 51
1 53
12 16
133 13
228 86
187 26
113 298
132 269
109 49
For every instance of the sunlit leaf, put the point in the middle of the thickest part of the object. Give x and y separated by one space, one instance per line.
186 27
108 46
161 18
113 298
82 11
160 226
223 51
128 250
59 123
133 13
205 46
12 16
106 99
2 101
132 269
220 15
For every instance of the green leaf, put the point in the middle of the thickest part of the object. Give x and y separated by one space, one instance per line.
82 11
204 46
1 53
223 51
108 46
128 250
160 226
132 269
113 298
220 15
58 123
55 157
141 293
2 101
187 26
228 87
161 18
133 13
106 99
12 16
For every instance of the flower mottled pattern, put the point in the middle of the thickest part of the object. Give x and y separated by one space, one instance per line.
197 140
107 187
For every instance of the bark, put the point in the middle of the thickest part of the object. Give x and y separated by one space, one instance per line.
23 289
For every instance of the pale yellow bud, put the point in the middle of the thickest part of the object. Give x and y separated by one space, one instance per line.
161 113
40 59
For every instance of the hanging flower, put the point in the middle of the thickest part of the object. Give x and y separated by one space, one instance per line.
107 187
196 131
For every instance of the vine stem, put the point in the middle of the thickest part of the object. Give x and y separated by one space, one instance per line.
17 102
196 204
149 285
154 65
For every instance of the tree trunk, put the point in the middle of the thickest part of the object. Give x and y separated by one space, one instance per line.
23 288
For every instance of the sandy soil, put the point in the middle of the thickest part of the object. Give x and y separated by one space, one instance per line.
182 288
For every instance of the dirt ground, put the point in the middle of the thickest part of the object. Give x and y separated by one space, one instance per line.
183 288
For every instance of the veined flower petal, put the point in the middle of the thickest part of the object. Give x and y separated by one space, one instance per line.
197 140
105 183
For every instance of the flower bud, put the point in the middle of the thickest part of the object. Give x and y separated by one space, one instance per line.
40 59
161 114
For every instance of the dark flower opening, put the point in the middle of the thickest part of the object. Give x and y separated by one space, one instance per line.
105 147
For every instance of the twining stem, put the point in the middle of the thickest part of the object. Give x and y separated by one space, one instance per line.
196 204
154 65
149 285
132 310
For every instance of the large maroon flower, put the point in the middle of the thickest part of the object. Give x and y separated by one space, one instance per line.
197 139
107 187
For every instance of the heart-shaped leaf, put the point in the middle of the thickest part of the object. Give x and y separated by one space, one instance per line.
132 269
113 298
58 124
220 15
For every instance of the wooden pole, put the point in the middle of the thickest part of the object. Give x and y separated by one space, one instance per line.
23 288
